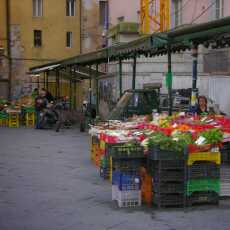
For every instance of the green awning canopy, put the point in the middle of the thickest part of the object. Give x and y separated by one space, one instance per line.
215 33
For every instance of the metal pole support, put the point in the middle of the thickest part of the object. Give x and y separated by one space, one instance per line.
120 76
194 77
169 80
134 72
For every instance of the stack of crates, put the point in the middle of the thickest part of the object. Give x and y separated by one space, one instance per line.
168 170
105 161
29 116
127 158
94 147
126 161
203 178
13 120
105 167
126 190
146 187
3 119
225 170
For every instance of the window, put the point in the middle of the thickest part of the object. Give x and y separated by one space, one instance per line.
37 8
69 39
219 9
70 7
103 8
177 12
37 38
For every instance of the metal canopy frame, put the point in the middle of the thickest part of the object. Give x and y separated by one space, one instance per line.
215 34
180 39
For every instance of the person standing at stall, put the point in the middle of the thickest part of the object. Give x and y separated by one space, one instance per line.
202 108
40 104
48 95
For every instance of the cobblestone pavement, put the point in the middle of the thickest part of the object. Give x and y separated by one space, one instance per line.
47 182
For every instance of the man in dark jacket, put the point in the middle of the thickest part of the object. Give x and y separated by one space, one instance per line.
40 104
48 95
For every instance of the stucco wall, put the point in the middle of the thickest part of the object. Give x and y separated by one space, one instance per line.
54 24
128 8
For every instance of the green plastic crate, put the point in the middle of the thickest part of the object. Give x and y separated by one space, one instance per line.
203 185
104 162
3 115
29 109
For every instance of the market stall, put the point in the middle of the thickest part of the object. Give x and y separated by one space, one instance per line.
17 113
169 161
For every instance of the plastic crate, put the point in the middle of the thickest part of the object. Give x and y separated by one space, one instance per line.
208 197
203 185
165 164
169 200
28 109
104 173
114 192
155 153
13 120
225 173
169 188
169 176
204 156
225 189
131 198
30 119
104 162
192 148
225 154
125 181
166 172
4 122
128 165
203 169
102 145
126 151
95 140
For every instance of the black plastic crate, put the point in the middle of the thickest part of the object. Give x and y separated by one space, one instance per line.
203 170
104 173
225 154
167 170
126 151
166 164
155 153
128 165
169 188
203 198
169 176
169 200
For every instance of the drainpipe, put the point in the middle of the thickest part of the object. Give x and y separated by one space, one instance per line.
7 2
80 26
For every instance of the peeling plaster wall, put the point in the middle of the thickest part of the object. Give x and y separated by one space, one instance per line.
20 84
91 30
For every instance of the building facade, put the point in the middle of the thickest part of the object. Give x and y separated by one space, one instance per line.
213 65
39 31
4 68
